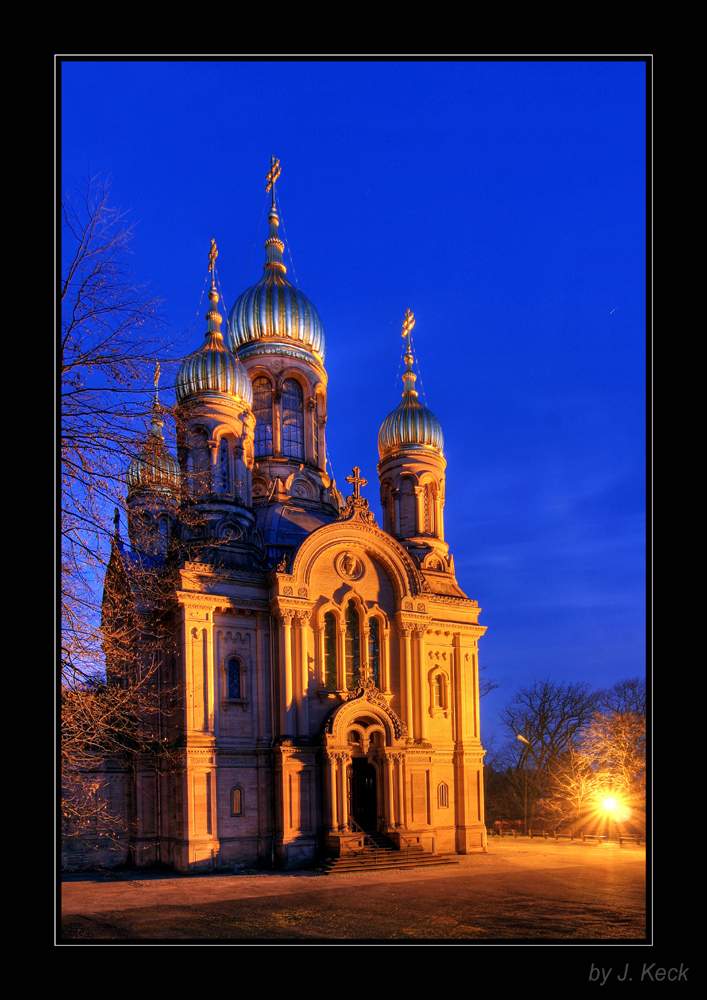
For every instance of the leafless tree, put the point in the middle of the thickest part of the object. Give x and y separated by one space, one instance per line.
108 346
548 716
110 339
625 696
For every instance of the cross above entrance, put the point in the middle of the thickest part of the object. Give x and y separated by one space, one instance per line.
357 481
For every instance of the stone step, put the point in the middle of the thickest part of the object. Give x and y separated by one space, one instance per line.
368 861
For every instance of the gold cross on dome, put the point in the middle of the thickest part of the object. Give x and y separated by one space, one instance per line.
408 324
357 481
273 175
213 254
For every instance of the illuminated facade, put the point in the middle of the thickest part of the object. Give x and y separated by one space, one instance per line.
322 670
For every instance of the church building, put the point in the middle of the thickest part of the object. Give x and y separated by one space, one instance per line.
320 670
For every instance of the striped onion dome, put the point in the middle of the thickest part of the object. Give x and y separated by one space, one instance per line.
273 309
411 426
213 368
155 468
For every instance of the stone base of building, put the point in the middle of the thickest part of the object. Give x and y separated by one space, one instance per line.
471 839
296 853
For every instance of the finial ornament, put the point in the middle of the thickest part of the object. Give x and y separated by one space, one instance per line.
157 376
213 254
357 481
408 324
273 175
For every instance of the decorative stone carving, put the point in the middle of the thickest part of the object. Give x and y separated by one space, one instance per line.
349 567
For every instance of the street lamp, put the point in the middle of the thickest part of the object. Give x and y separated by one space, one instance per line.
528 743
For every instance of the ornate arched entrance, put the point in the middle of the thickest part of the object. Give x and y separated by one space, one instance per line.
363 742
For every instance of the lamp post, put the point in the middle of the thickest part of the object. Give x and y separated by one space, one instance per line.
528 743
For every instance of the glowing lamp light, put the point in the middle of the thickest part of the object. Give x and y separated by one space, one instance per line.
610 804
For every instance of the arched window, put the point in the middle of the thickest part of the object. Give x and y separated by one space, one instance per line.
224 472
374 650
292 419
262 411
330 651
352 647
439 693
236 801
200 464
235 680
443 795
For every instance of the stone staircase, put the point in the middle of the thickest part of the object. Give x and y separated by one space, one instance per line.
380 853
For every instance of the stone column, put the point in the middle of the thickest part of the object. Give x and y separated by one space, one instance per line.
420 510
287 719
310 437
385 660
277 422
389 791
303 679
344 761
459 698
258 685
406 678
423 687
340 656
396 519
331 789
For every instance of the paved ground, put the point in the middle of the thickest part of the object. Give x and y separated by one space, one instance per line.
521 890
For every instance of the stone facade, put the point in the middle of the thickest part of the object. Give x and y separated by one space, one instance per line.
322 671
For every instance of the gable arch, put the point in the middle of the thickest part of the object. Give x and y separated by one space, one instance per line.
404 577
363 716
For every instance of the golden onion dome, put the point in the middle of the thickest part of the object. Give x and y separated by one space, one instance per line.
213 368
272 314
156 469
411 426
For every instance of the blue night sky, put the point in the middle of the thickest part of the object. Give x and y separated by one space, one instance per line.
504 203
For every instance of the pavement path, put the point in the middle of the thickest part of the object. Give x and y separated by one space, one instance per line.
603 885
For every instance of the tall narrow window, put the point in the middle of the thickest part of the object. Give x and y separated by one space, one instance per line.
236 801
352 647
443 795
234 679
200 464
223 462
437 692
330 651
262 410
292 419
374 650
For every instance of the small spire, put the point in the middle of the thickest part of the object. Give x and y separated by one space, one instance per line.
116 522
274 246
156 421
409 377
213 316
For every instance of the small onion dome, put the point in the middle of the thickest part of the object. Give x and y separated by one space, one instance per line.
213 368
411 425
273 308
155 469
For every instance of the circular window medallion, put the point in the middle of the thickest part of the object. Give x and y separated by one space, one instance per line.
349 566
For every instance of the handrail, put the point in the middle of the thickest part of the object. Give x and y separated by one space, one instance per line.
354 825
407 849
